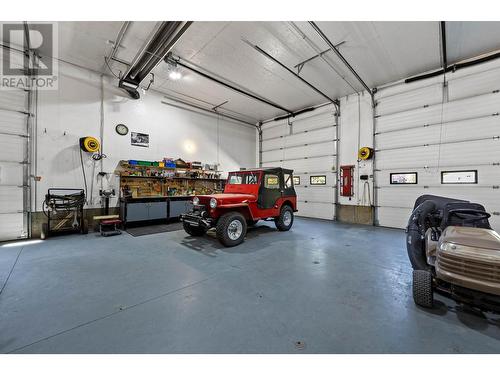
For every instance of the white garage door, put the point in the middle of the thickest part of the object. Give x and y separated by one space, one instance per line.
431 129
308 145
14 164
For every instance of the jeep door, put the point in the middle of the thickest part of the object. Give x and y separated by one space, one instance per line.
271 189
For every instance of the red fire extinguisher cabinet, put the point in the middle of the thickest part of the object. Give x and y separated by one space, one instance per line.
347 180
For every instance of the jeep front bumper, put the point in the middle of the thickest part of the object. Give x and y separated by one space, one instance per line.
198 218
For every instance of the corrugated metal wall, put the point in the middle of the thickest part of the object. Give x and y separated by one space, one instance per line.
308 145
440 124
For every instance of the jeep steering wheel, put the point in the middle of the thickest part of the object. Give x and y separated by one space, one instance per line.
469 215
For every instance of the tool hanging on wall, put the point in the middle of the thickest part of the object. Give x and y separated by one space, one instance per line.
89 144
365 153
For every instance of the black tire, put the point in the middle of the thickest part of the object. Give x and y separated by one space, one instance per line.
280 220
193 231
422 288
44 233
85 226
223 229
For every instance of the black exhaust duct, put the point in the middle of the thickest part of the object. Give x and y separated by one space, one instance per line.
155 51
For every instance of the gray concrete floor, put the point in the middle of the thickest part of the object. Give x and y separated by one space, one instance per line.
336 288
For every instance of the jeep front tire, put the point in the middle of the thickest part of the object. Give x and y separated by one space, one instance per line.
285 220
193 231
231 229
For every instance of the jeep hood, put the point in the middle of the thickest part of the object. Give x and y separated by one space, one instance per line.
228 198
472 237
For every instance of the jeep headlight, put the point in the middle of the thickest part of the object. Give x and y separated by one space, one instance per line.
213 203
196 201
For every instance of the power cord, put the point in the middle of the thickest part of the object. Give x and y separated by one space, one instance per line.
83 171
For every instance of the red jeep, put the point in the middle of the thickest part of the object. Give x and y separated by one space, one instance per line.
249 196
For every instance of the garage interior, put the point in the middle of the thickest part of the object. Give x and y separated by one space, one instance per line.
368 115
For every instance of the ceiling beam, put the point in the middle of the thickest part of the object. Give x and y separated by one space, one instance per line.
179 62
342 58
209 110
334 101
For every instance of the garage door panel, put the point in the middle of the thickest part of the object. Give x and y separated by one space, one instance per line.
455 154
449 132
12 148
487 175
12 122
312 136
320 149
275 131
11 174
14 99
311 165
426 95
393 217
270 156
320 121
451 111
273 144
308 148
484 82
11 226
316 210
11 200
316 193
405 196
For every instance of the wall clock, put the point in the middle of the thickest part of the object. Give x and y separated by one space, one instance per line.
121 129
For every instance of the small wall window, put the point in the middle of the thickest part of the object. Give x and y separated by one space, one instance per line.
272 182
317 180
296 180
404 178
459 177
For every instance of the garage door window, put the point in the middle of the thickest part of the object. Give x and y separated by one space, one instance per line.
459 177
317 180
296 180
405 178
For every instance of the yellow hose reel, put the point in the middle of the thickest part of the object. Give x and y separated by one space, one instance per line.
365 153
89 144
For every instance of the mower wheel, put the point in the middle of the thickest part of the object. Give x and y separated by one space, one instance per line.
422 288
231 229
193 231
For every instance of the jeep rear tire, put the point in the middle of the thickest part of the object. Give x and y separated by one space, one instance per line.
285 220
231 229
422 288
193 231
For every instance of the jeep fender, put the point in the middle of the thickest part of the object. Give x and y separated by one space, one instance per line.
243 208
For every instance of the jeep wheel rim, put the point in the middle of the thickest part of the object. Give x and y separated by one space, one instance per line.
287 218
235 229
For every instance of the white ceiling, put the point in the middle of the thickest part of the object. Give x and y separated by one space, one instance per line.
380 52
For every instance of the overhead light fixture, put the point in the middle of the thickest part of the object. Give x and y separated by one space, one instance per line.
175 75
155 51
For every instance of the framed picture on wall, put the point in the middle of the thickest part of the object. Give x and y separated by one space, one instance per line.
139 139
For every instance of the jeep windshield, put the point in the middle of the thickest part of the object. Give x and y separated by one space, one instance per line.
243 178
